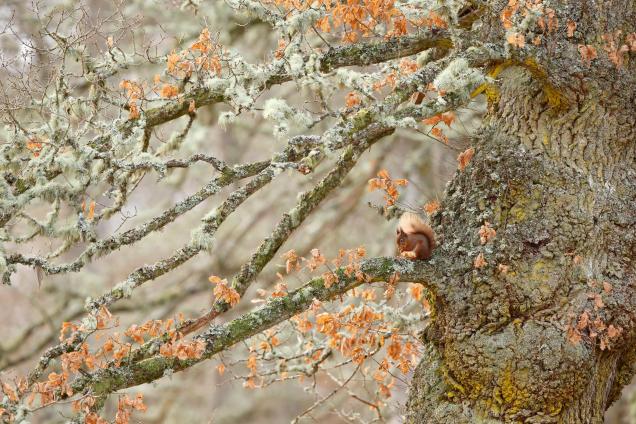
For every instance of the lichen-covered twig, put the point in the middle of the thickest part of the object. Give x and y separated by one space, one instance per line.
128 237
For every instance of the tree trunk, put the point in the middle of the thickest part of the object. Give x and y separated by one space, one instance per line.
551 338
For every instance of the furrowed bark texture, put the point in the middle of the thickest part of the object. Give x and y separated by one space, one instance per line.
555 174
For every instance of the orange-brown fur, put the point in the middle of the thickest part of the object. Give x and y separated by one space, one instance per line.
414 239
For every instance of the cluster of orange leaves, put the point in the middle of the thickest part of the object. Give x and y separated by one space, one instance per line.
356 332
91 210
615 50
354 17
486 232
547 22
111 353
406 66
431 207
389 185
433 20
223 292
352 100
125 407
594 328
34 146
174 347
612 45
480 261
14 394
204 55
267 345
134 94
349 259
447 118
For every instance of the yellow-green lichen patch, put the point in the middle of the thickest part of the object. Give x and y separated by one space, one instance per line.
524 206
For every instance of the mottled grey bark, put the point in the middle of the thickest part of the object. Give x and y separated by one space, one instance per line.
555 174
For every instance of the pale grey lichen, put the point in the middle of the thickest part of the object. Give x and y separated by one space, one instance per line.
281 114
300 22
296 64
226 118
127 286
458 77
238 94
89 323
201 239
217 84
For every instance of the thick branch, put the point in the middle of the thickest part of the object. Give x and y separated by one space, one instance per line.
352 55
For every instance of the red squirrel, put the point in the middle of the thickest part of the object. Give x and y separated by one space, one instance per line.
415 239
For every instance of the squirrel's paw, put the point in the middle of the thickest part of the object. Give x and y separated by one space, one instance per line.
408 255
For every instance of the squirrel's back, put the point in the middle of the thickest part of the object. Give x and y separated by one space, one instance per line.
411 223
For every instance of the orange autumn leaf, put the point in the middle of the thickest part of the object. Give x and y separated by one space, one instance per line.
486 232
91 211
574 336
516 39
407 66
291 261
503 268
464 158
431 207
280 290
221 369
480 262
251 363
388 185
446 118
323 24
416 291
613 332
223 292
588 53
433 20
571 27
508 12
168 91
384 174
439 134
352 100
329 279
34 147
172 61
433 120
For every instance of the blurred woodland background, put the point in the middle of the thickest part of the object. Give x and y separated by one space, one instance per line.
142 33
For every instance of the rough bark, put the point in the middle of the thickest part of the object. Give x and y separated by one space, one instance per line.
554 172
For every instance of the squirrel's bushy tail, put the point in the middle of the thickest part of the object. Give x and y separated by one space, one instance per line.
411 223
